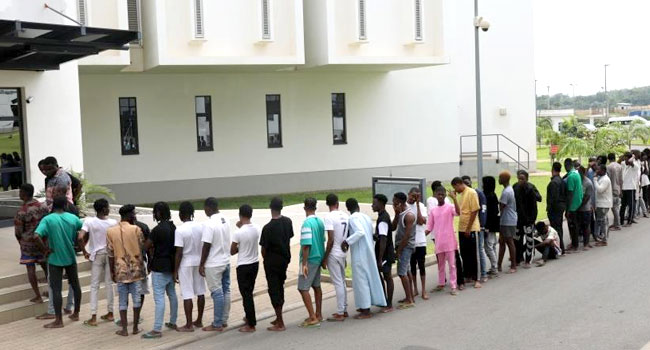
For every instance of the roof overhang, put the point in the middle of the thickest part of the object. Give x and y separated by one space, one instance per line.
43 46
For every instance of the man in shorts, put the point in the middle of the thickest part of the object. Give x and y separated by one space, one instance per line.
404 222
312 250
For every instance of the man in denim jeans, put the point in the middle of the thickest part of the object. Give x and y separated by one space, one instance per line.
124 247
215 263
160 247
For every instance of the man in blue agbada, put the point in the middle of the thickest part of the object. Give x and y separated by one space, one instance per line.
367 285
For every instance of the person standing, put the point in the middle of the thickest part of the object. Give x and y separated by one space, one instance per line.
276 252
586 210
93 233
615 174
419 254
482 217
25 222
187 240
468 227
124 245
604 202
384 248
56 179
574 196
491 224
441 222
61 230
556 201
160 247
336 225
312 250
368 289
508 222
404 223
215 263
244 243
629 189
527 197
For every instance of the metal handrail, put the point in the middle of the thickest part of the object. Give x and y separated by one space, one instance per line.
499 151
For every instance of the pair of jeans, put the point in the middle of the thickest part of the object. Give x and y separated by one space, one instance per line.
556 220
627 203
56 280
218 279
548 252
616 210
336 267
641 208
100 272
123 291
246 275
163 282
574 226
481 252
469 253
490 248
602 224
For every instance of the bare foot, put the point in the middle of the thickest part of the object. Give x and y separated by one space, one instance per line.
135 330
274 321
363 316
425 296
36 300
387 309
74 317
247 329
45 316
186 328
512 271
416 293
477 285
276 328
212 328
122 332
198 324
55 324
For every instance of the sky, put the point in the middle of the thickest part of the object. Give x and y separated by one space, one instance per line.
574 39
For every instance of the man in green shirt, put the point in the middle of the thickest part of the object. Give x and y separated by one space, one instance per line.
574 201
60 229
312 249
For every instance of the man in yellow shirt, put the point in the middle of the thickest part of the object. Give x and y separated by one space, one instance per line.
468 230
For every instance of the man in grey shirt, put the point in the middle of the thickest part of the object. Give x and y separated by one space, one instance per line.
404 223
508 223
586 210
615 173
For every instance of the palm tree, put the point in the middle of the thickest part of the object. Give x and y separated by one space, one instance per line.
90 191
635 130
544 130
575 146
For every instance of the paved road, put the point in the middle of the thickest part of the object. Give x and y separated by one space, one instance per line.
591 300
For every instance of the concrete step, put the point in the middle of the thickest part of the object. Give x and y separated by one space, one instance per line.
21 278
25 292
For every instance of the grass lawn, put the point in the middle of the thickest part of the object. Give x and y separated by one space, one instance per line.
10 142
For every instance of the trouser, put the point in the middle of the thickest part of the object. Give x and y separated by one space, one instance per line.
481 253
602 224
50 304
646 197
640 207
490 248
417 261
585 226
616 210
460 277
56 276
470 255
557 222
246 275
101 272
336 267
574 226
525 244
449 259
163 282
276 274
548 252
218 279
627 203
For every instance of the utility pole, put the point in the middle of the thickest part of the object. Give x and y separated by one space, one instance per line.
606 97
548 94
536 109
573 88
479 126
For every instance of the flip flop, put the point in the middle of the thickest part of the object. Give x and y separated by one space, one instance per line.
88 324
406 306
171 325
309 325
151 335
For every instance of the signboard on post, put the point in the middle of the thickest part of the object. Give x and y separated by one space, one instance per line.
553 152
388 186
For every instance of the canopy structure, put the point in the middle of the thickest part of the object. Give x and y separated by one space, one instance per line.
43 46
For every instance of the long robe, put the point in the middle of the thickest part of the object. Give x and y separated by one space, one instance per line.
366 283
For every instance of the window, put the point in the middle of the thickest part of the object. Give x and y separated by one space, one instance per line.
338 119
362 23
203 123
199 30
129 126
419 35
133 14
266 20
273 121
82 12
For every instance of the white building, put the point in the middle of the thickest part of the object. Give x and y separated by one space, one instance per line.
233 98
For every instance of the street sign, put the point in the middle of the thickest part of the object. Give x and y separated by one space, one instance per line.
554 149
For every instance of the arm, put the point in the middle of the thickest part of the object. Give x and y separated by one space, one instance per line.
19 228
205 251
178 258
429 222
264 253
111 257
82 239
330 244
305 256
421 220
234 248
409 222
395 221
356 236
538 196
382 250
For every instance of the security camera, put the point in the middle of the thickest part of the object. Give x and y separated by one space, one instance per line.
29 99
479 22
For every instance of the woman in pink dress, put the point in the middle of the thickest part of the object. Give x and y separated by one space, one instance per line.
441 223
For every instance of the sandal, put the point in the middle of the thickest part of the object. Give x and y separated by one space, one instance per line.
406 306
438 289
151 335
88 324
306 324
171 325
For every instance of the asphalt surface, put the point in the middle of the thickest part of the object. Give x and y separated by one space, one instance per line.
599 299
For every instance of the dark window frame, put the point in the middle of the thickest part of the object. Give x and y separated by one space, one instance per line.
335 109
207 100
136 150
279 110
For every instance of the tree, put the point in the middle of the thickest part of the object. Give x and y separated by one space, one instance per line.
635 130
544 130
571 127
607 139
90 191
574 146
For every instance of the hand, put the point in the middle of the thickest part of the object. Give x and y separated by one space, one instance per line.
379 265
47 252
398 210
417 197
345 246
113 277
305 270
176 277
86 255
324 264
452 194
202 271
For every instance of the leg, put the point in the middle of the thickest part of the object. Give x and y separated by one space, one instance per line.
460 276
573 229
423 272
482 255
490 251
390 286
188 305
512 252
246 282
502 250
616 210
170 288
73 280
413 272
556 222
225 282
200 306
158 283
214 280
31 276
96 273
318 296
123 301
336 267
530 243
275 277
403 265
442 259
586 229
56 276
450 258
108 284
136 293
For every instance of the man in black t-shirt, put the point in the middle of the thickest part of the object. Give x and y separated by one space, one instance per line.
160 250
276 251
384 250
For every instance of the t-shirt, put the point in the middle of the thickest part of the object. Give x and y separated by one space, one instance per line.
216 231
337 221
383 228
574 185
276 240
420 234
247 237
588 189
188 237
312 234
468 203
630 179
59 180
60 229
96 229
162 237
509 211
441 221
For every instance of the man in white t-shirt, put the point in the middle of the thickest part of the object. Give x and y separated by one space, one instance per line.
417 259
244 243
215 263
93 233
336 225
187 241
